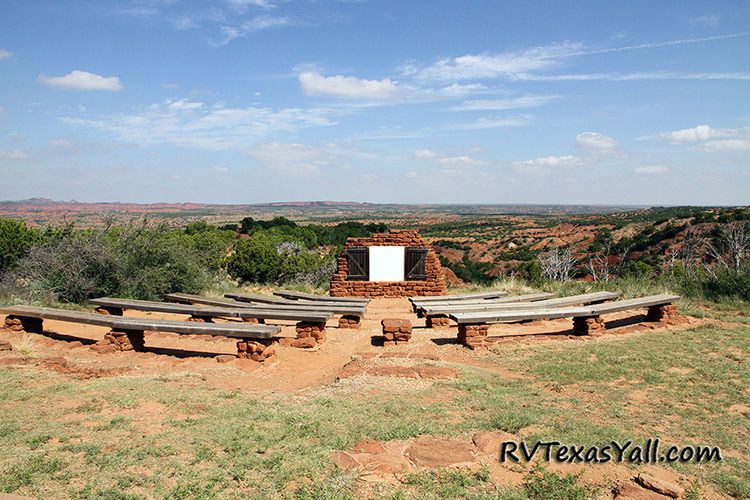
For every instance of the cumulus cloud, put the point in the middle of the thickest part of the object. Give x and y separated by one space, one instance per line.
595 140
528 101
5 54
710 139
216 127
424 154
461 160
82 80
347 87
651 170
552 161
698 133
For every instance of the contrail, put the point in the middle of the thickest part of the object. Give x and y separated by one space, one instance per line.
662 44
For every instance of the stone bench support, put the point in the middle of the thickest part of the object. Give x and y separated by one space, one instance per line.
307 329
24 324
588 325
437 321
663 312
350 321
261 351
126 340
473 336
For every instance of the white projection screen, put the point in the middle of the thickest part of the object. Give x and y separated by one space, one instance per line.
387 263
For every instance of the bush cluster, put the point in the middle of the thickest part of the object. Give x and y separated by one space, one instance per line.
145 261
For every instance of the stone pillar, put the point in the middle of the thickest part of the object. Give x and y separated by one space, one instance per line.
316 330
396 331
663 312
437 321
126 340
588 325
350 321
473 336
24 324
114 311
257 350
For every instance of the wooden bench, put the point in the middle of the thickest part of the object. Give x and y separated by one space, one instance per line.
528 297
467 296
248 314
440 311
473 326
128 333
292 295
351 314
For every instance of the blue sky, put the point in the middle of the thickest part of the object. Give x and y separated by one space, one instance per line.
244 101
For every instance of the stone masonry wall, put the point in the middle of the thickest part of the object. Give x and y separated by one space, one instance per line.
433 285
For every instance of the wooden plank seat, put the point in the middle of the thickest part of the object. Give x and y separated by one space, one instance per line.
466 296
434 314
528 297
128 333
249 314
351 314
292 295
473 326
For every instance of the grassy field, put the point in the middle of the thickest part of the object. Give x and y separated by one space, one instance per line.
176 437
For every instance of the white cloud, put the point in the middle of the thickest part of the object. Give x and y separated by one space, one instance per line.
424 154
710 20
506 64
298 159
213 128
242 5
595 140
727 145
185 22
183 105
623 77
712 139
461 160
651 170
698 133
347 87
5 54
547 164
258 23
82 80
59 143
552 161
15 155
527 101
489 123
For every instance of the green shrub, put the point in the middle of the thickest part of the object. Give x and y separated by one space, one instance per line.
139 262
15 241
270 257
